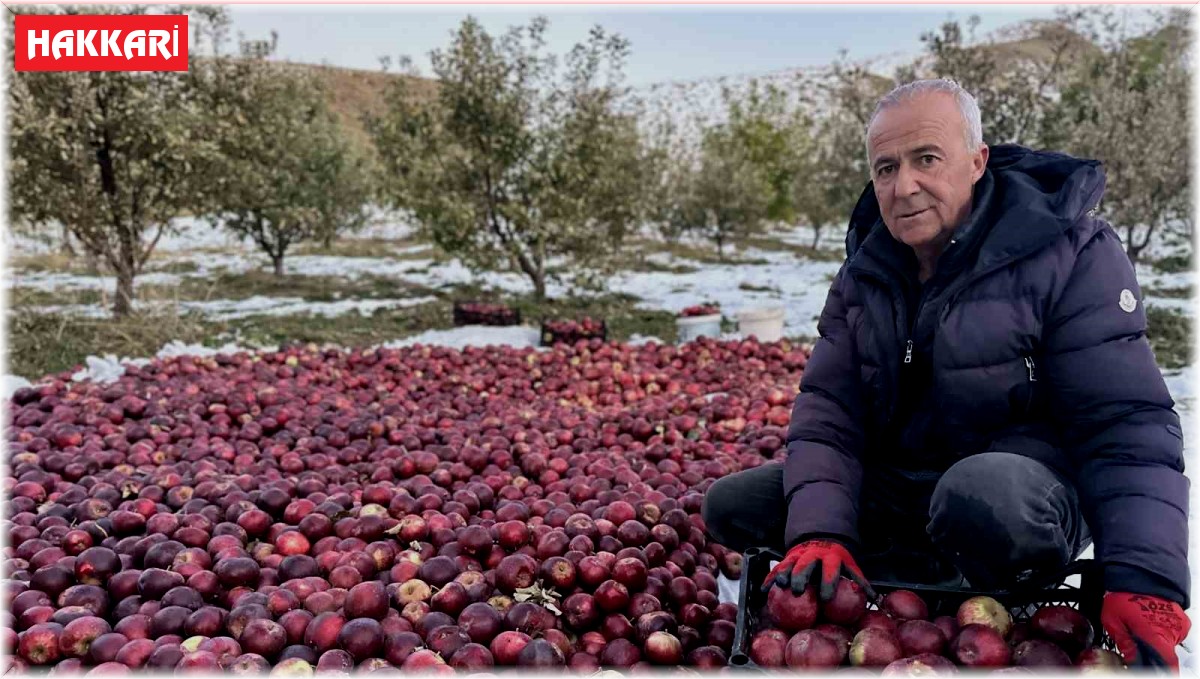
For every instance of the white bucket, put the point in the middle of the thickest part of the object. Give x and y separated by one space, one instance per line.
688 328
765 324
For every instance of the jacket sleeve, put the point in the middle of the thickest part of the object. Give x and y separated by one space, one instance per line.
822 473
1118 424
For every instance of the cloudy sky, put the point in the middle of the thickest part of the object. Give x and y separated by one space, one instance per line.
668 43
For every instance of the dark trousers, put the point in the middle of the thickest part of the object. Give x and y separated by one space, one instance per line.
994 519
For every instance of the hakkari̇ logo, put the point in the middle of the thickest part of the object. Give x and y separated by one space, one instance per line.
101 42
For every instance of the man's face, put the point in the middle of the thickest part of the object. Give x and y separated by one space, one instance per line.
922 169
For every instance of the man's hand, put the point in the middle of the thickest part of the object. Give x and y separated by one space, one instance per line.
822 561
1146 629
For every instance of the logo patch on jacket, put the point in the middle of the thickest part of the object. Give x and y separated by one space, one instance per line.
1128 301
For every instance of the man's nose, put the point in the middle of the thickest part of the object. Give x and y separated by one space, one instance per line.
906 181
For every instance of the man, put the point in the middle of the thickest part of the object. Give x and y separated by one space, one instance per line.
982 402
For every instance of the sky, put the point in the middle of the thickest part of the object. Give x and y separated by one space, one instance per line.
667 43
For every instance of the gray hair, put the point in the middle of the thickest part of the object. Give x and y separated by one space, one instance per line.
967 106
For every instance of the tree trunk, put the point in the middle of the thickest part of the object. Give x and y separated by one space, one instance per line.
123 304
125 266
67 248
539 286
1133 249
816 237
1134 252
720 247
531 265
277 261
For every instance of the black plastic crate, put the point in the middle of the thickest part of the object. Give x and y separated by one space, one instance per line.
550 337
498 314
1022 602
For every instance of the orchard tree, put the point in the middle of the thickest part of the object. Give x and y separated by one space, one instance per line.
775 137
723 194
109 156
516 161
285 170
838 171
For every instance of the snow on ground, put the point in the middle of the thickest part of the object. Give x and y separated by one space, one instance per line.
177 348
474 335
109 368
9 384
832 240
637 340
1149 277
105 369
230 309
798 285
387 226
189 234
48 281
1180 305
288 306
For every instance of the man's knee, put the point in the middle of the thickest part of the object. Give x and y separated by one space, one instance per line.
720 507
1007 505
746 509
990 487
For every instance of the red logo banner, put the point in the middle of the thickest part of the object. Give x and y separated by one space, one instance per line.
101 42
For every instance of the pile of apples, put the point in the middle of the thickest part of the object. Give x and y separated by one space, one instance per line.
899 636
572 331
423 508
700 310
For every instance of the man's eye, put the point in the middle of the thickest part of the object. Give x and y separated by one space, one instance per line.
884 170
928 159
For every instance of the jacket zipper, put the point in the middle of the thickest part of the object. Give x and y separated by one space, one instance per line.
888 376
908 346
1029 366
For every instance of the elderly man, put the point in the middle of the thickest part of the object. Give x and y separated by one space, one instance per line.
982 402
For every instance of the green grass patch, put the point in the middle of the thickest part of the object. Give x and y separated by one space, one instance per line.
55 262
1170 334
643 265
703 254
1182 292
350 330
750 287
23 297
312 288
235 286
42 344
175 267
1174 263
773 244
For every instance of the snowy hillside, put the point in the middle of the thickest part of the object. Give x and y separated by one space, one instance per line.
693 104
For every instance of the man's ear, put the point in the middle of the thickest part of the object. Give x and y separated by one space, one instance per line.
979 162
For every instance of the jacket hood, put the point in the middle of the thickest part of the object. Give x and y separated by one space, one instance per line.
1038 195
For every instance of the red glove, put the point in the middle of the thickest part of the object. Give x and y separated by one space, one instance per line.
1146 629
815 561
